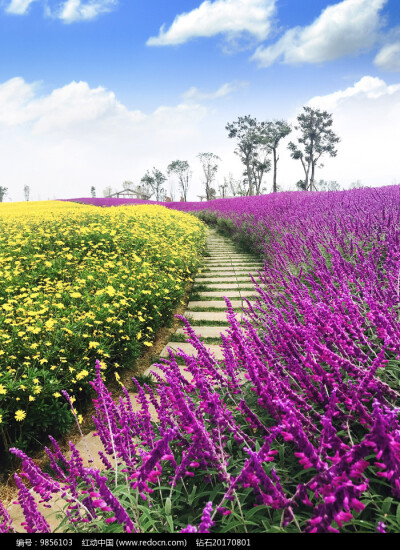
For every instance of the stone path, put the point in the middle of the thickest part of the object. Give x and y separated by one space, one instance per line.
225 273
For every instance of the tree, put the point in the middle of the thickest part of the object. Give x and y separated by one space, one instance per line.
27 191
236 187
127 184
258 169
155 181
3 192
247 132
181 169
93 191
107 191
210 167
273 132
171 188
222 188
331 185
317 139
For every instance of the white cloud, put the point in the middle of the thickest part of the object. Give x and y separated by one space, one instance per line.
63 142
72 108
78 10
388 58
194 94
367 118
368 87
346 28
228 17
19 7
68 11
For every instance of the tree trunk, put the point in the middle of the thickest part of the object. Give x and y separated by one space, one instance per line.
250 179
312 184
274 186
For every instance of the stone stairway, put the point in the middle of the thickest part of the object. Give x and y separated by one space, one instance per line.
226 273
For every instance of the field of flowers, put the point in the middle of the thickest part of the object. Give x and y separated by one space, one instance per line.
79 283
297 429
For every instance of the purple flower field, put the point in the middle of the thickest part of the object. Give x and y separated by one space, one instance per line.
297 429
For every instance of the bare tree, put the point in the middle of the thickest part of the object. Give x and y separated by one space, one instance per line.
107 191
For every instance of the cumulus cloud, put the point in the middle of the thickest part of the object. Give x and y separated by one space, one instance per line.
194 94
231 18
77 10
68 11
72 108
346 28
63 142
388 58
367 118
19 7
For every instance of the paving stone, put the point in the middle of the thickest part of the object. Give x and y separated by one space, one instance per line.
204 280
210 274
218 268
228 293
189 349
206 332
233 258
157 370
206 316
218 304
228 286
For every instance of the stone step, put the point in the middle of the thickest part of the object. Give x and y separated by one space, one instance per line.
217 304
205 280
219 316
229 262
230 267
228 286
189 349
226 274
160 373
211 274
228 293
206 332
237 267
234 257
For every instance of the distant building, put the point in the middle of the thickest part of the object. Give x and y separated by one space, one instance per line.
137 193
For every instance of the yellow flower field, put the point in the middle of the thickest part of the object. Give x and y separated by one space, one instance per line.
77 283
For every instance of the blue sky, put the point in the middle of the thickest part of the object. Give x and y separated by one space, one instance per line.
93 92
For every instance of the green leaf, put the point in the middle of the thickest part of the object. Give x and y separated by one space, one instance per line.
168 506
192 495
387 503
170 523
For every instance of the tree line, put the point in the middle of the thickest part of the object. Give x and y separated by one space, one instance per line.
257 145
